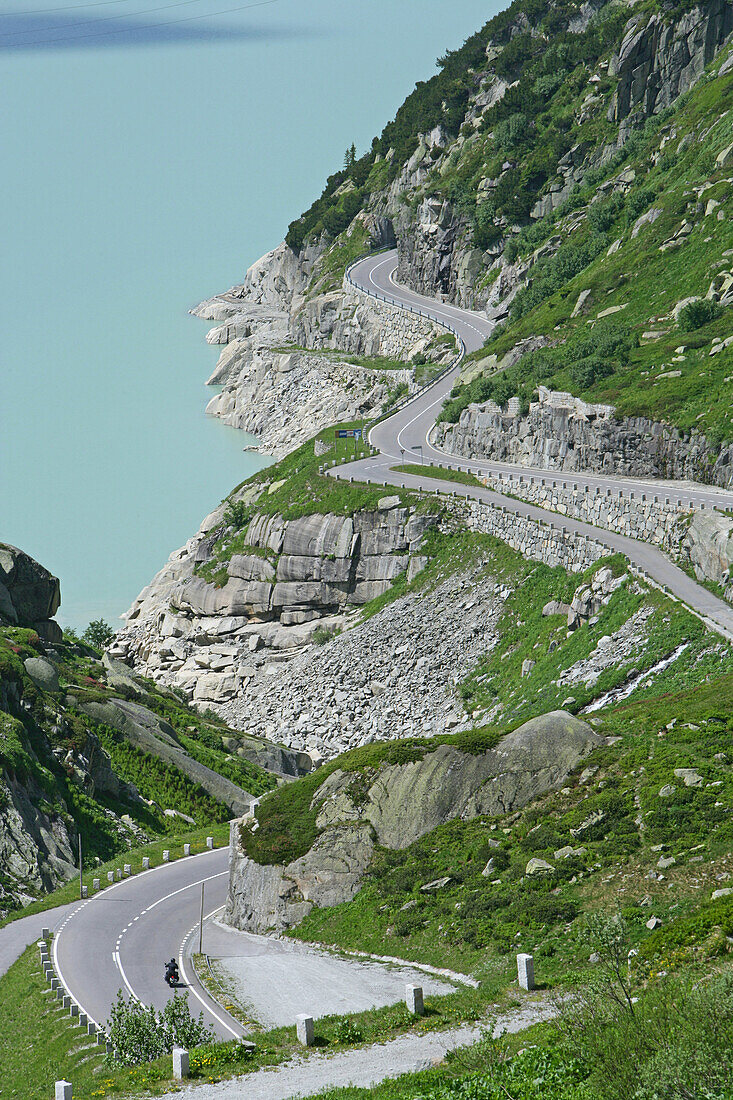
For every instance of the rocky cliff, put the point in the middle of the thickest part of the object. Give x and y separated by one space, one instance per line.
278 584
393 805
562 432
88 749
285 368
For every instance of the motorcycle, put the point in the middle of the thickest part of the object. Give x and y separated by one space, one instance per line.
172 976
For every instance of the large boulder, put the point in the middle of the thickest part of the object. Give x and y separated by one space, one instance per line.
42 673
29 595
402 803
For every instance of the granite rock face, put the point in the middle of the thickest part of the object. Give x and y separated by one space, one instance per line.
402 803
29 594
274 898
659 60
562 432
281 380
292 578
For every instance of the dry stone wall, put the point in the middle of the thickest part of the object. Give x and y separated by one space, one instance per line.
534 540
651 519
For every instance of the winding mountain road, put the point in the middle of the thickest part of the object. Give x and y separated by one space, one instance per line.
121 938
404 437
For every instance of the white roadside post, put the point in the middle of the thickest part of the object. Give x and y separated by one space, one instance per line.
64 1090
180 1063
525 971
414 1000
305 1030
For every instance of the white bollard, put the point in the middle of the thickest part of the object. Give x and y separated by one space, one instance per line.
95 884
525 971
414 1000
128 869
305 1030
209 842
64 1090
46 934
85 891
166 855
110 876
180 1063
146 863
118 873
187 849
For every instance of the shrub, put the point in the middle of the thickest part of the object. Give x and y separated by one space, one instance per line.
602 215
140 1034
236 514
696 314
348 1032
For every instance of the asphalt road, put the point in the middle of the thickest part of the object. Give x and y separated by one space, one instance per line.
405 438
122 937
16 936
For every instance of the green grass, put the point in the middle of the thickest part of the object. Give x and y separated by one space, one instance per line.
439 474
39 1045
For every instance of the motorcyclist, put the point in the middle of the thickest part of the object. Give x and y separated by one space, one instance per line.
171 973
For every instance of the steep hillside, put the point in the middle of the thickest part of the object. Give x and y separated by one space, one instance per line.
91 752
569 171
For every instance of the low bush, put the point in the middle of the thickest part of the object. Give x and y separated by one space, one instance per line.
696 314
138 1033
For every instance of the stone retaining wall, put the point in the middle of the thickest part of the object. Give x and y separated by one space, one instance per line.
650 519
534 540
400 330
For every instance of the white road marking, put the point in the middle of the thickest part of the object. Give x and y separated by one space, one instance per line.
103 894
191 987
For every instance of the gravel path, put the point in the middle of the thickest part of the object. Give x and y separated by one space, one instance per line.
362 1068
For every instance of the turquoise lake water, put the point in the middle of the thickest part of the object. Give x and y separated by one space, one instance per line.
146 165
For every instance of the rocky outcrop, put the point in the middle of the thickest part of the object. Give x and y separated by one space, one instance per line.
275 386
36 845
659 60
153 735
708 546
284 398
562 432
396 805
291 579
29 594
273 898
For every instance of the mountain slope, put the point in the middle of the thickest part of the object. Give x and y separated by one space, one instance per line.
570 170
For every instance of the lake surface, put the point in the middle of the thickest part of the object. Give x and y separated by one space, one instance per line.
147 163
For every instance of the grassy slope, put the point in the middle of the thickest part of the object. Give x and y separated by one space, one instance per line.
638 277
